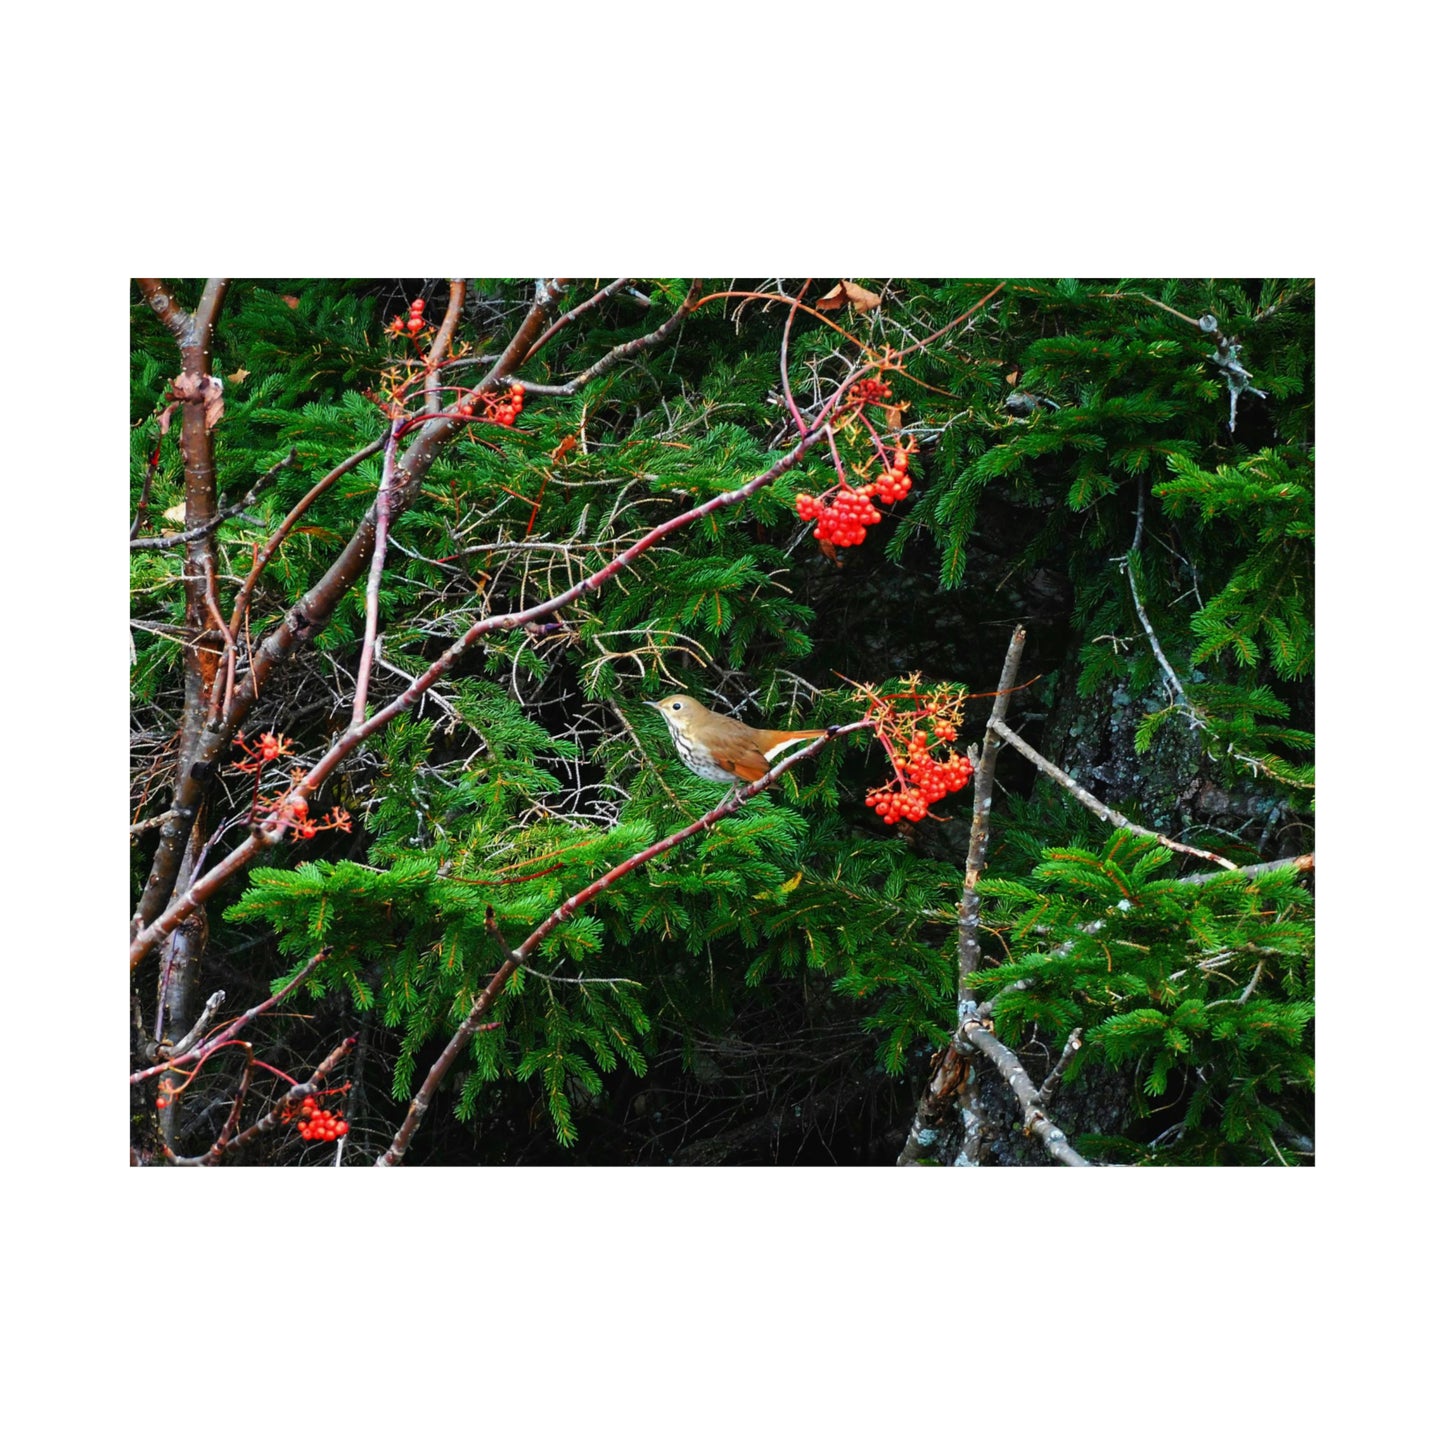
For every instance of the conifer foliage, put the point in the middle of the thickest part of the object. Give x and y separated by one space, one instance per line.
416 872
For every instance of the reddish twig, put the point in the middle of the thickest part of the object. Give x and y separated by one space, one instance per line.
783 370
219 700
201 1052
213 1154
282 1112
268 548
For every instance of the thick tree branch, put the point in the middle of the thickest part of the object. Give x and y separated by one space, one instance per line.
949 1089
195 335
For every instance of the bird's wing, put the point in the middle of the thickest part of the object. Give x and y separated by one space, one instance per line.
743 761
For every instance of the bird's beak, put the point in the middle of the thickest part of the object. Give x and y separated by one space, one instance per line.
648 702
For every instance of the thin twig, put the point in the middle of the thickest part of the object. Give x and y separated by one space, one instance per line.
620 353
1056 1074
224 514
268 548
280 1114
153 822
783 365
202 1023
385 497
969 951
597 296
204 1051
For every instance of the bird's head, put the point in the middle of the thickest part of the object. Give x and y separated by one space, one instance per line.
679 708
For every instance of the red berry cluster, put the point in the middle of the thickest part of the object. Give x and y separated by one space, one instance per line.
844 519
503 407
931 779
308 827
869 392
911 726
413 323
320 1124
844 515
266 750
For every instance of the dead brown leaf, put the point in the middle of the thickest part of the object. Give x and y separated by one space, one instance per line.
851 294
191 386
237 377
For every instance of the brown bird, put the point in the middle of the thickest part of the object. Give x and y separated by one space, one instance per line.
722 749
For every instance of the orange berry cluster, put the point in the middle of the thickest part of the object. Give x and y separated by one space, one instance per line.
929 779
844 516
413 323
503 407
320 1124
844 519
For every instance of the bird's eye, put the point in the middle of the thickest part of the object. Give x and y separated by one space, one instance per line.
677 707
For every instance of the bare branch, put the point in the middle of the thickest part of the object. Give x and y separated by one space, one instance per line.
598 296
198 1054
1056 1074
948 1088
457 294
974 1033
223 514
622 352
1101 810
